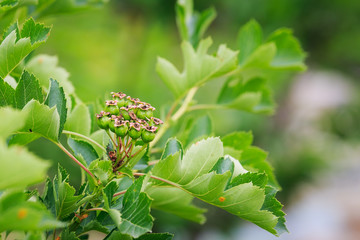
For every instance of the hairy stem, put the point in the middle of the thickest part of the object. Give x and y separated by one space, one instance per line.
75 160
84 137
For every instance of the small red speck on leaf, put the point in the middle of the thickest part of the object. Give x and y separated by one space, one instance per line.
22 213
221 199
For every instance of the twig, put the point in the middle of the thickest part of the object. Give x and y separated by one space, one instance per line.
84 137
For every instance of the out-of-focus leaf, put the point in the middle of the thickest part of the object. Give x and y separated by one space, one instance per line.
192 25
199 66
17 45
18 214
201 127
252 96
11 120
171 147
7 94
250 37
79 120
289 54
20 168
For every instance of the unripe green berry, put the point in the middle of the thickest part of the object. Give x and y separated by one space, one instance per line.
141 114
147 136
121 102
124 112
121 130
149 113
112 108
112 123
135 130
103 120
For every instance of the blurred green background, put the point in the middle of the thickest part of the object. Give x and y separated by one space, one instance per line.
114 48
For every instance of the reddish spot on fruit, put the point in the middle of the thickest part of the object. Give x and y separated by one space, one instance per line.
22 213
221 199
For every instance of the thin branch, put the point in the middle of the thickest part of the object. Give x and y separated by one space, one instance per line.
205 106
95 209
75 160
138 151
150 163
119 193
84 137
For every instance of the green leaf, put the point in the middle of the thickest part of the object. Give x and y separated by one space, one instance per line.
177 202
199 67
56 97
83 149
252 158
41 120
7 94
171 147
15 47
79 120
201 127
45 67
289 54
156 236
20 168
27 89
136 218
196 173
192 25
250 37
115 235
11 120
108 193
18 214
65 200
253 95
102 169
66 234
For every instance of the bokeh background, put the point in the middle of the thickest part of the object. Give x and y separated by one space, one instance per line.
314 137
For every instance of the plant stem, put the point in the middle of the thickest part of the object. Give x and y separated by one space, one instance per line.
204 106
169 119
84 137
95 209
153 162
159 178
75 160
112 139
138 151
119 193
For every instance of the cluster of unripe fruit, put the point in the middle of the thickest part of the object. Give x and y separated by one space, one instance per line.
127 116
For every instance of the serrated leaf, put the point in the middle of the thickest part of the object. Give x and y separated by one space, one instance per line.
7 94
56 97
135 213
18 214
11 120
84 149
171 147
65 200
156 236
195 175
15 47
41 120
102 169
289 54
115 235
199 67
27 89
20 168
108 193
253 95
252 158
177 202
66 234
79 120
